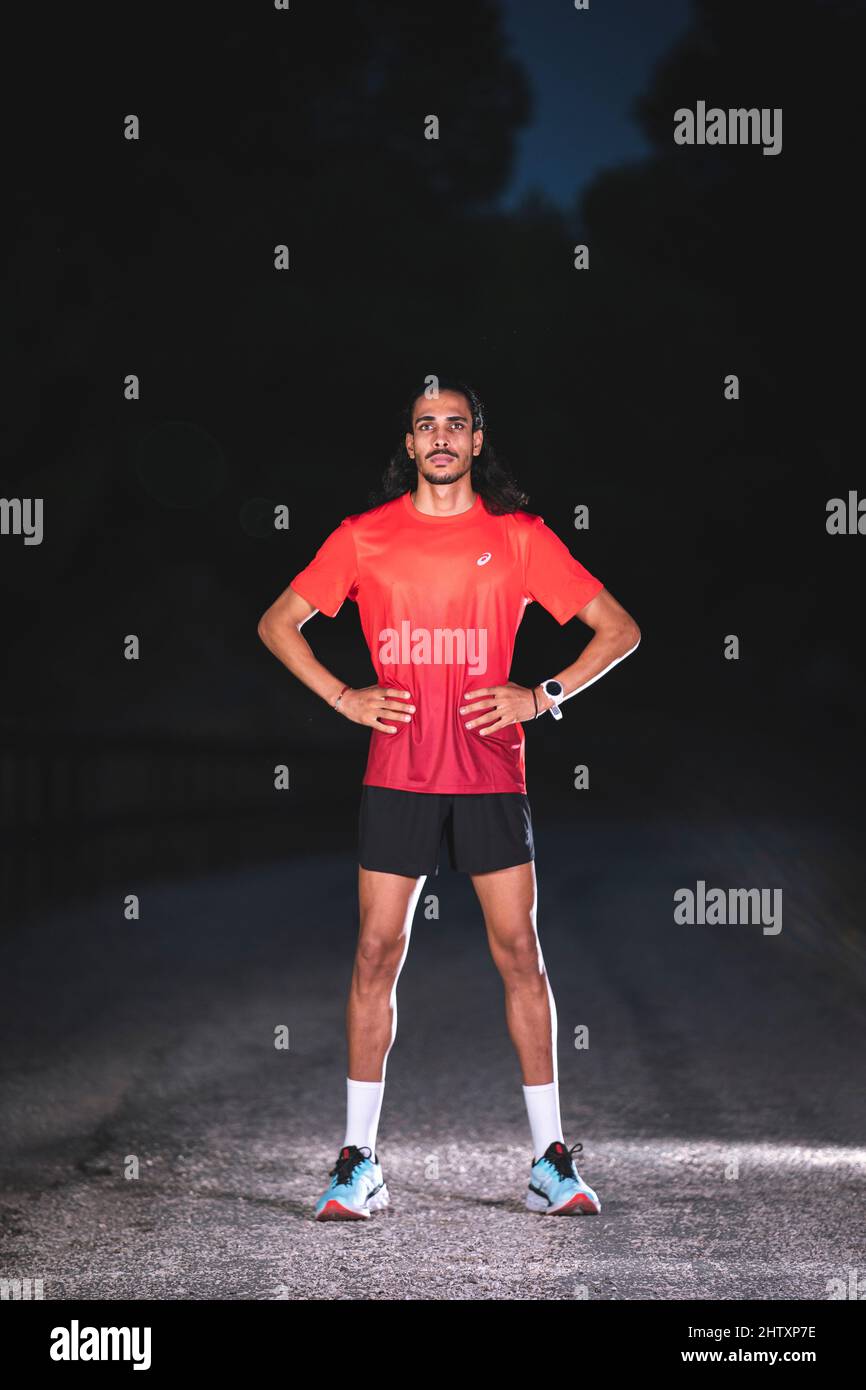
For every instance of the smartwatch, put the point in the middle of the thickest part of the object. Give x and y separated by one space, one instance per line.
555 690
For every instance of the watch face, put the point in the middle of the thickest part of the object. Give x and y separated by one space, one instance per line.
553 688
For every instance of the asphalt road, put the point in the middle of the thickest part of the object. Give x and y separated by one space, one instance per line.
720 1102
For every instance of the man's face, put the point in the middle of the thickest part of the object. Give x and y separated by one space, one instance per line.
442 441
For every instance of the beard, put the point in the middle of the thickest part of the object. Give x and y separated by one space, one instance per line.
452 476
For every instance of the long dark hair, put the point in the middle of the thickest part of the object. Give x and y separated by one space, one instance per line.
490 477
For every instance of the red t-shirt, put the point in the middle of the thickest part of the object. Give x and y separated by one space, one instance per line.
440 601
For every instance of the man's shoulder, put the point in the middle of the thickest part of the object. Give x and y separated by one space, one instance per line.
522 523
525 520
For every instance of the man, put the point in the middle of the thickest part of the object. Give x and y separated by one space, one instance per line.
441 572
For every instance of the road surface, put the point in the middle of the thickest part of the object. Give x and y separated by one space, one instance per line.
720 1100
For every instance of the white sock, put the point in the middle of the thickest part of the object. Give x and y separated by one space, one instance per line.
363 1104
542 1106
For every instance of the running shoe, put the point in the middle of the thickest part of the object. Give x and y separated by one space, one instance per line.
556 1187
357 1187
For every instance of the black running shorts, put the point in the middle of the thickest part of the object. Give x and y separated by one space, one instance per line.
401 832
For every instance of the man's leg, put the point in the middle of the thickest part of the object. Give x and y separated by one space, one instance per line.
387 906
508 899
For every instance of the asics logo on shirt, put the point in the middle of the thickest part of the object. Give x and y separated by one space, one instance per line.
482 559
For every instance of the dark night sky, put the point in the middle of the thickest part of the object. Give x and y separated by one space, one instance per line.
585 68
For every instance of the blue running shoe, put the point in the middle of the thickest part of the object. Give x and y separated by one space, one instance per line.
357 1187
556 1187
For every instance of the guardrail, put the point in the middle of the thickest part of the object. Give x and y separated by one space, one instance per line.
81 812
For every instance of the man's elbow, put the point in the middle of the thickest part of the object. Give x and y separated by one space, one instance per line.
630 638
265 627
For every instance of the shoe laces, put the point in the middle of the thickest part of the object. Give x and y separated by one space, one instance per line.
562 1159
347 1161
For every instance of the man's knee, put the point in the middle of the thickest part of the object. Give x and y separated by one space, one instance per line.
520 961
377 958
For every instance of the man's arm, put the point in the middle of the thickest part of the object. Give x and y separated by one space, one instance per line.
616 635
280 630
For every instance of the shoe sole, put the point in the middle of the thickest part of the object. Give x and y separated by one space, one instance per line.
579 1204
336 1211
